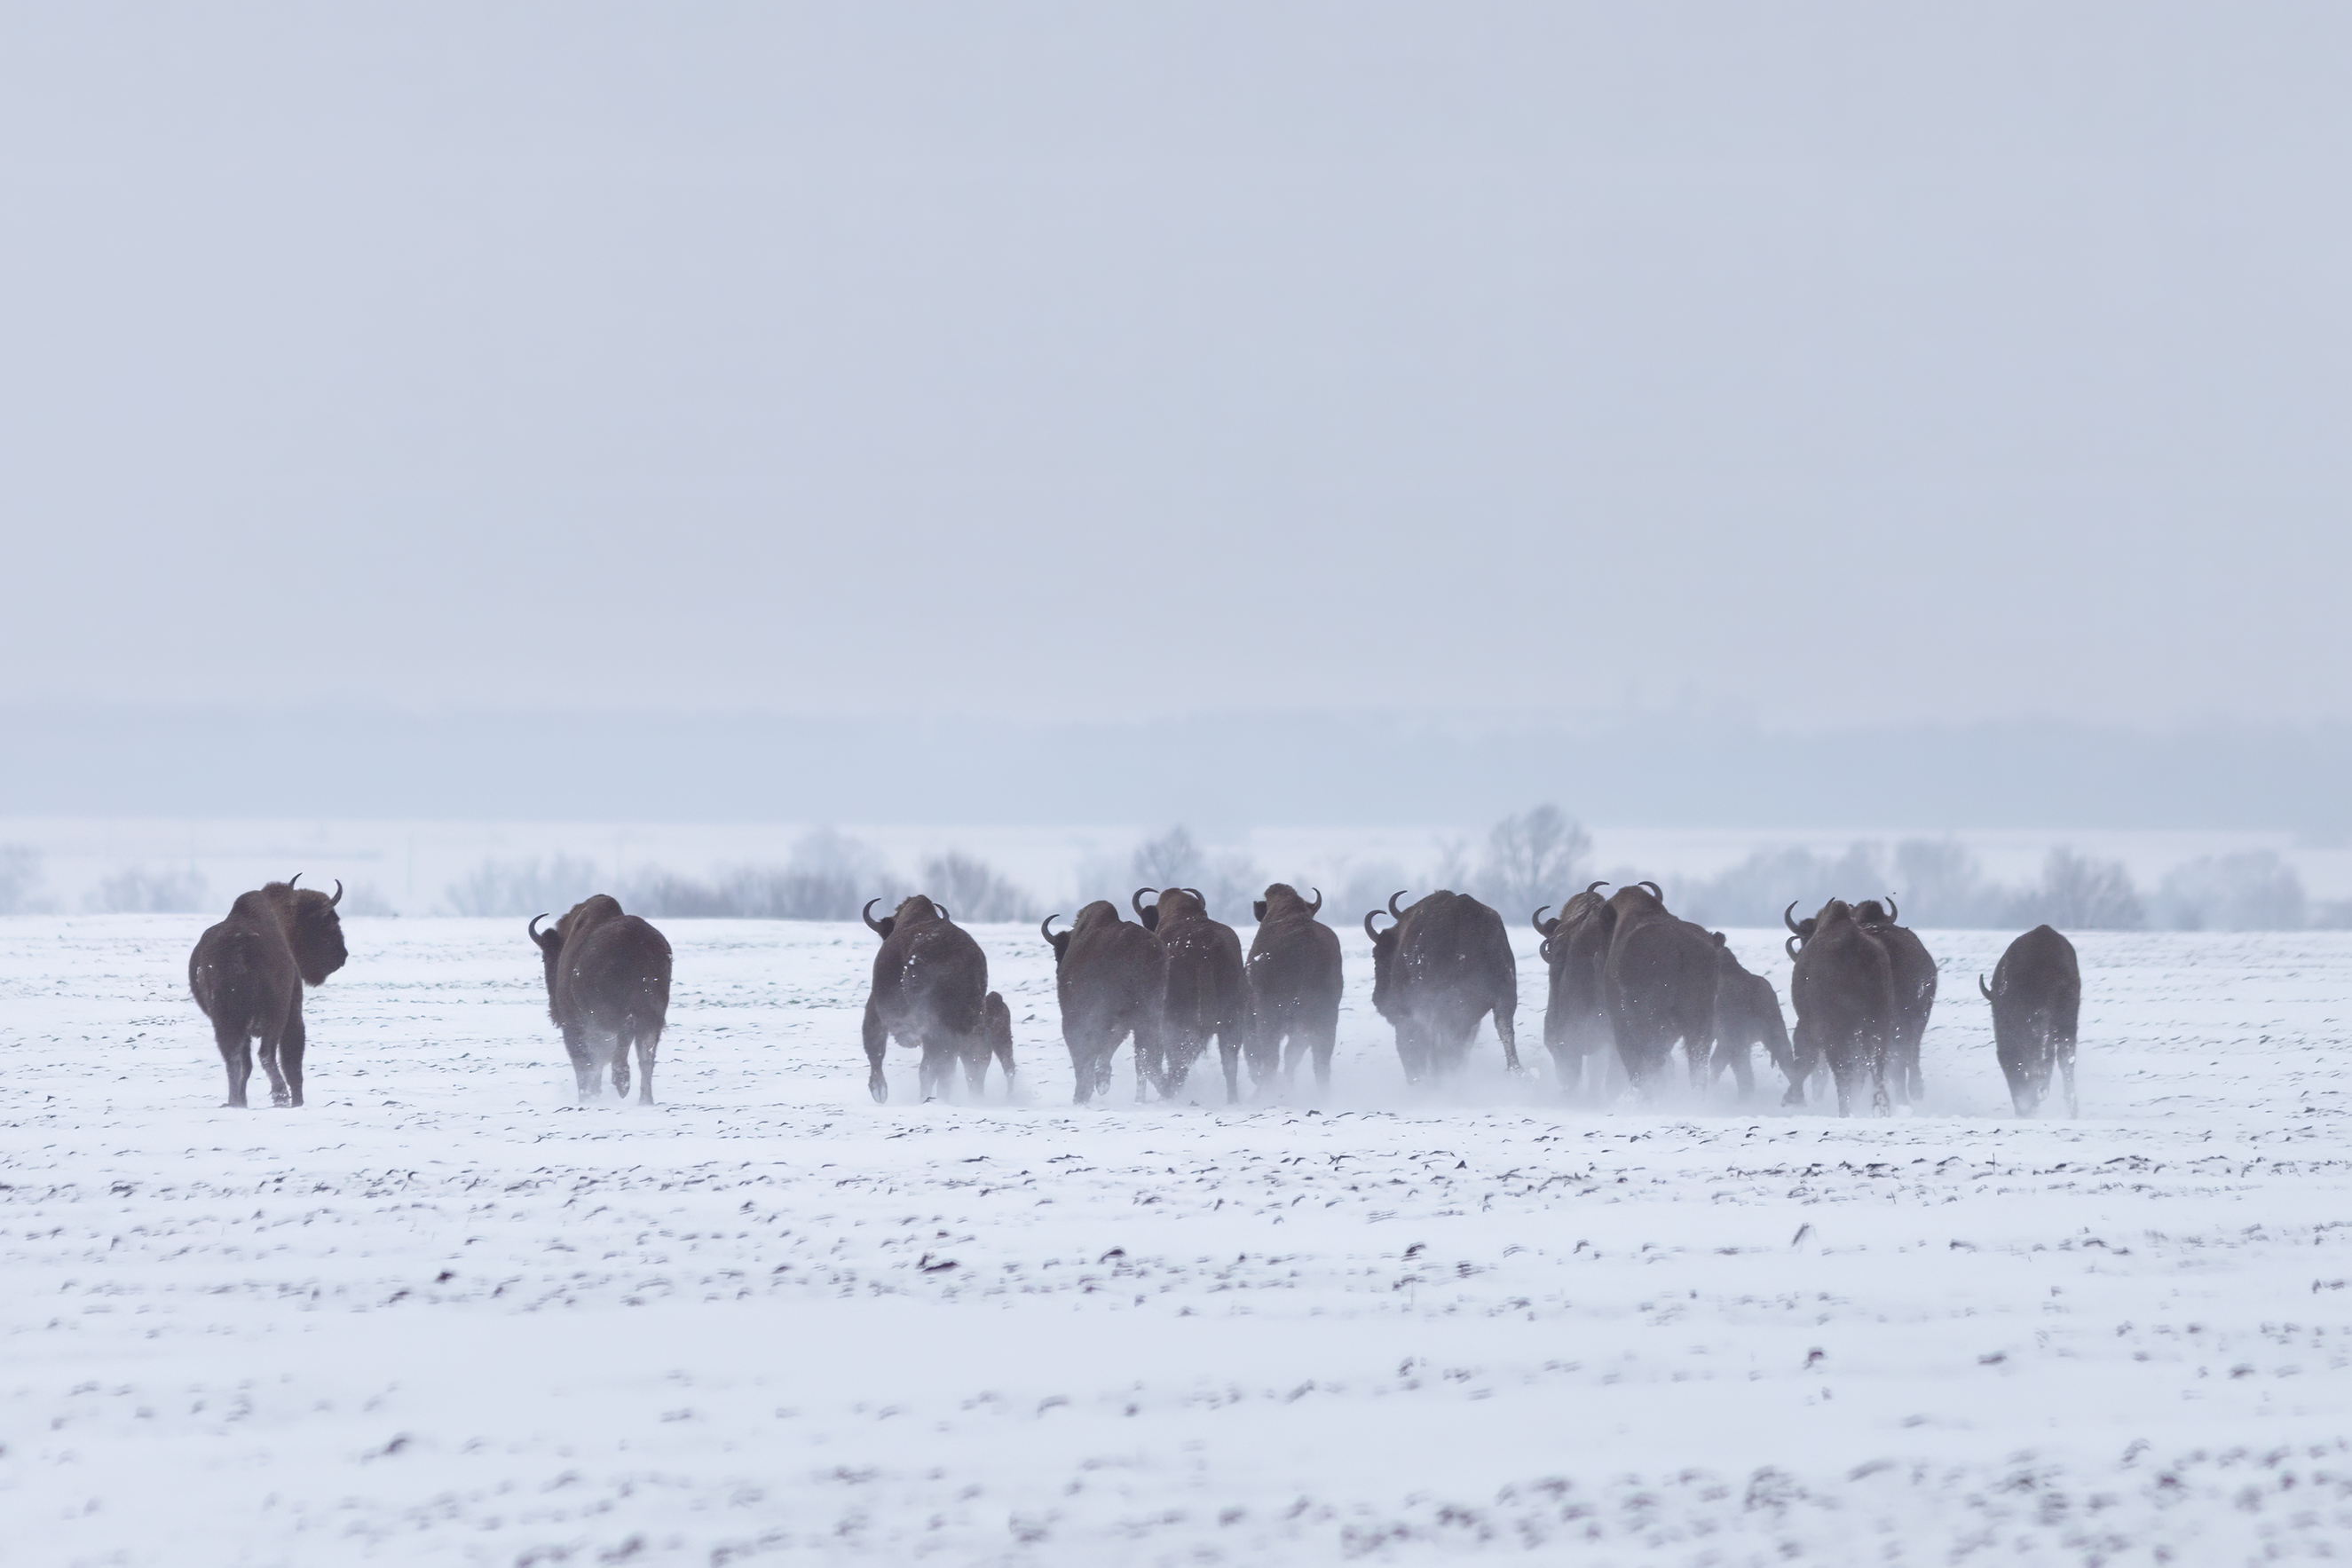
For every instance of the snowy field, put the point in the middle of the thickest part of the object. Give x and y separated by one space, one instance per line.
445 1316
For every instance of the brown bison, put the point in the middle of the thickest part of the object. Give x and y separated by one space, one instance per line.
1914 969
607 990
1203 988
1843 989
1294 988
1746 1013
1576 1014
1659 984
930 990
1444 965
248 974
1107 973
2037 1000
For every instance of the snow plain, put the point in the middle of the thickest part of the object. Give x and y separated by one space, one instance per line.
443 1315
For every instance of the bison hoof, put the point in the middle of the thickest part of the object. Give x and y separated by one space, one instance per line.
879 1089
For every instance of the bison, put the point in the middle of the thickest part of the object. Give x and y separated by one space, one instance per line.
2037 999
1294 988
607 990
248 974
1204 987
1746 1013
930 990
1914 969
1576 1014
1843 988
1658 982
1444 965
1107 972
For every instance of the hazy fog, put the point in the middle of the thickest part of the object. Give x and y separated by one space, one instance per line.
1817 365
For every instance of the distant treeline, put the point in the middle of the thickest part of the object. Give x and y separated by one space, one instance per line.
1535 857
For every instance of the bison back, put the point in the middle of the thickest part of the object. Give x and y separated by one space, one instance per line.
931 974
617 977
242 975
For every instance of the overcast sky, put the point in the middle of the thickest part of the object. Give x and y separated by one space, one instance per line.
1816 365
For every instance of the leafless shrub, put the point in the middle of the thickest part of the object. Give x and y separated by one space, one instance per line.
524 888
2253 891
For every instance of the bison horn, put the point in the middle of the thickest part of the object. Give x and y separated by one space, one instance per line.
1395 912
1199 894
1655 891
1318 903
1535 919
1894 911
1370 915
1045 926
1785 921
1602 883
292 880
1135 902
867 915
1790 947
1982 987
1543 949
533 926
942 909
339 894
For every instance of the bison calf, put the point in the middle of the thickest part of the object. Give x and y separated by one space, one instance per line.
607 989
248 974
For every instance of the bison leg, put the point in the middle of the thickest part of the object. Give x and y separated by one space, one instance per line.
236 1055
618 1046
1804 1052
1087 1057
1321 1040
1507 1030
271 1040
583 1062
2065 1051
878 1041
289 1052
1229 1055
648 1043
975 1065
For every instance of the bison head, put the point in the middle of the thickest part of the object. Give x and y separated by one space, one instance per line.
913 909
1059 940
1168 903
1283 899
1384 947
312 928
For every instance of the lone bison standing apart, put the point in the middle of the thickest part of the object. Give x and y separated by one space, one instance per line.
248 974
1293 986
607 990
1444 965
2037 1000
1843 988
1107 972
1576 1013
930 990
1203 990
1659 982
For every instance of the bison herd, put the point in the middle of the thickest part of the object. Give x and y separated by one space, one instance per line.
1629 981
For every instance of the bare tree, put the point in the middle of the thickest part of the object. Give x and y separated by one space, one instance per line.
1533 858
975 890
2079 893
138 891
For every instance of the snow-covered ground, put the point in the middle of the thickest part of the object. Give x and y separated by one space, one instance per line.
445 1316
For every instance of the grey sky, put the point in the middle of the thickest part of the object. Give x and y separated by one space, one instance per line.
1822 365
